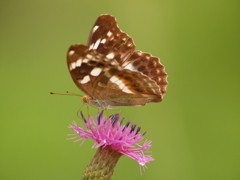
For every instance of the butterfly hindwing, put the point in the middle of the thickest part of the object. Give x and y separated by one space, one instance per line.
150 66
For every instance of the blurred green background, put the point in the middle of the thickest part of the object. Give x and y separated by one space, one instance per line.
195 130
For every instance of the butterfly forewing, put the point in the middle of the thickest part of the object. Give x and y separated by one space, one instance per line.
111 73
86 67
107 39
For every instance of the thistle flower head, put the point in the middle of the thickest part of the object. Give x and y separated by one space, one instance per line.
111 132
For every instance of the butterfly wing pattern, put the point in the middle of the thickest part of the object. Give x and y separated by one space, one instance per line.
111 73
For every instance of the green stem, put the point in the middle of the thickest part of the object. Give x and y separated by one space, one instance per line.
102 164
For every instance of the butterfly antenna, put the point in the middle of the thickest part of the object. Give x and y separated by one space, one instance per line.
69 94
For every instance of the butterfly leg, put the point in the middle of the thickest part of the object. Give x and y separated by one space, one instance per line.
79 110
88 110
119 110
106 111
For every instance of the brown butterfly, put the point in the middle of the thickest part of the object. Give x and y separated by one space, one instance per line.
111 73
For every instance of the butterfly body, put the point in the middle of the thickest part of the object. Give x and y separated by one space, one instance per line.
111 73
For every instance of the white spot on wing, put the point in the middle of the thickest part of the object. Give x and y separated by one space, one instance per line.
86 60
89 56
114 63
91 46
127 91
95 28
130 67
73 65
79 63
96 71
113 79
110 55
96 44
120 84
109 33
103 41
71 53
85 80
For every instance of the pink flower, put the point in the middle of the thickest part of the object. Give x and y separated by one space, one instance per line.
109 132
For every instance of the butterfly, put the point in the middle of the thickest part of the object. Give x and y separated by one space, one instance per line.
111 73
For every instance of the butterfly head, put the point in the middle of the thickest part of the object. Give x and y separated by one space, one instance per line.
99 104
